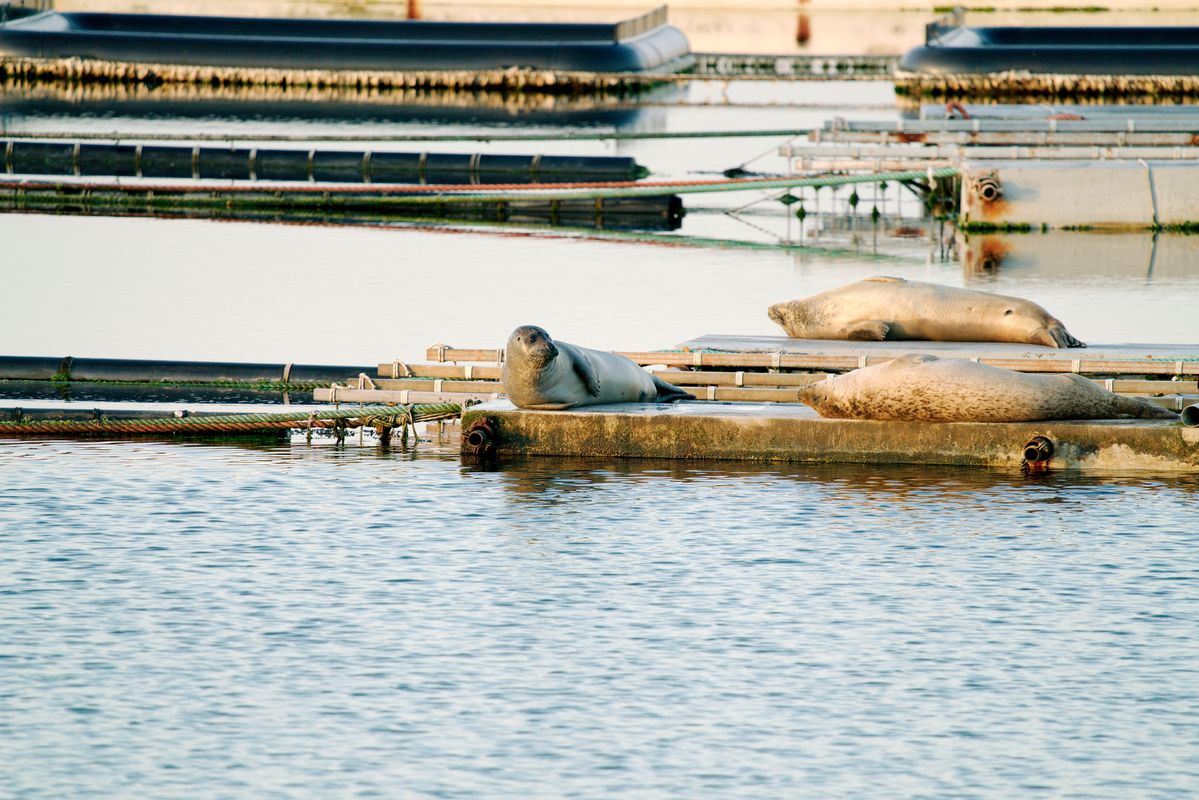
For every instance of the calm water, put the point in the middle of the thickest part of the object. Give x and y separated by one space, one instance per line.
229 622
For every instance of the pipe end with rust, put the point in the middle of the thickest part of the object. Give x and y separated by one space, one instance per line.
479 438
988 188
1038 450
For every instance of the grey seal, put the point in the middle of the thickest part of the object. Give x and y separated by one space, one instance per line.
540 373
929 389
894 308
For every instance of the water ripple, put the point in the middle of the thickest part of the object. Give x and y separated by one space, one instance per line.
181 621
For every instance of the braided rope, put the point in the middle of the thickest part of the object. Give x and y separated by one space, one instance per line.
405 194
380 416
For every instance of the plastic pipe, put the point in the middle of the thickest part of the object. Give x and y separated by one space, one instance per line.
1190 416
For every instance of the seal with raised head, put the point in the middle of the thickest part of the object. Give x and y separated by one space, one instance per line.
542 374
930 389
894 308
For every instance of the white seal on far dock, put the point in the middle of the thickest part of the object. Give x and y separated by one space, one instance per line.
919 388
894 308
542 374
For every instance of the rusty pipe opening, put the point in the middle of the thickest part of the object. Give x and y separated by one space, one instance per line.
1190 416
988 189
1038 449
479 438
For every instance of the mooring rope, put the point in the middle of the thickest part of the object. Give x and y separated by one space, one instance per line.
604 189
379 416
149 383
404 194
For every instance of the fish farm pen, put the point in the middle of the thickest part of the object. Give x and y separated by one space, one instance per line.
978 167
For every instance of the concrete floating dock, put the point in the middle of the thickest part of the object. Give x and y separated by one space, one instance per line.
1076 194
795 433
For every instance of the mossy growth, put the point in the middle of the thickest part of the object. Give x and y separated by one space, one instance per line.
994 227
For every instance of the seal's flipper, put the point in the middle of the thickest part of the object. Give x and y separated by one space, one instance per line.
1141 408
1062 336
884 279
583 367
668 392
1054 336
870 330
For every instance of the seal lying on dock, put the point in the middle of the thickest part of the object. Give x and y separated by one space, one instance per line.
894 308
540 373
930 389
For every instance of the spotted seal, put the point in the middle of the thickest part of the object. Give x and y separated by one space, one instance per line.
894 308
540 373
930 389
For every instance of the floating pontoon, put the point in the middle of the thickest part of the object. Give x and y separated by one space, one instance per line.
634 45
951 47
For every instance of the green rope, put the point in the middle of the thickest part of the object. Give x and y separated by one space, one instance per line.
751 184
258 386
370 415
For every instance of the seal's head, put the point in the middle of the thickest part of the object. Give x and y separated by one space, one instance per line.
531 343
791 316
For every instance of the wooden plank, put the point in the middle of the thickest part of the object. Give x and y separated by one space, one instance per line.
404 397
400 369
439 386
709 378
1174 402
754 394
1124 386
440 353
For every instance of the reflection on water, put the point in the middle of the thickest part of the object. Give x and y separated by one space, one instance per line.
216 621
1136 255
263 287
548 481
23 105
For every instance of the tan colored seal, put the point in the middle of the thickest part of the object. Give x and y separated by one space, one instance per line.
929 389
894 308
540 373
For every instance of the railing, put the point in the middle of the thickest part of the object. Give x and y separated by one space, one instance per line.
14 9
636 26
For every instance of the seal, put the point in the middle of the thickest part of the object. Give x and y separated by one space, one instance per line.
930 389
894 308
540 373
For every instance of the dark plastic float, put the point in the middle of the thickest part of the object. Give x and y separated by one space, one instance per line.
355 166
953 48
634 45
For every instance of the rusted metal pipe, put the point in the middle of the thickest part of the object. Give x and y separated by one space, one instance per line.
479 438
988 188
1038 450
